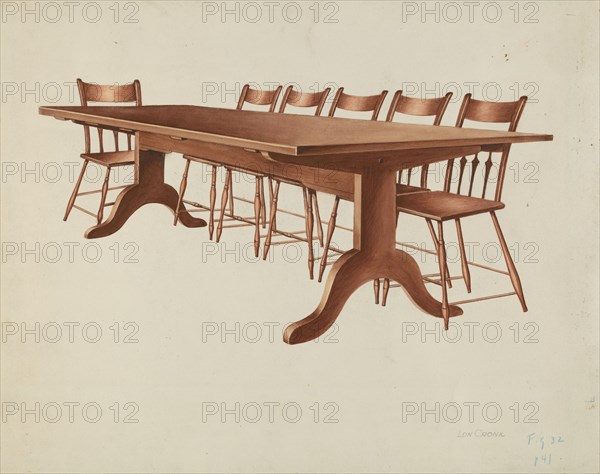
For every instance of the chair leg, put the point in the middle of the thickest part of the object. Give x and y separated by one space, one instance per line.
330 231
376 285
441 247
213 200
318 217
512 270
224 199
182 188
231 204
263 204
103 196
257 212
386 290
463 257
75 190
435 243
274 195
271 194
309 222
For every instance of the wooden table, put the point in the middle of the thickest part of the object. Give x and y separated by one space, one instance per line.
356 159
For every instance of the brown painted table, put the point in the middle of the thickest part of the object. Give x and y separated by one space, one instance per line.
356 159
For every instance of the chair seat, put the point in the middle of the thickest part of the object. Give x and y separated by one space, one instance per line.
442 206
407 189
113 158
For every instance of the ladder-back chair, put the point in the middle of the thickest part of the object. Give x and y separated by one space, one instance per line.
461 198
294 98
117 94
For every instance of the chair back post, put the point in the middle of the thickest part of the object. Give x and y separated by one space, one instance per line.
336 99
520 106
322 100
86 128
258 97
115 93
490 112
304 99
442 108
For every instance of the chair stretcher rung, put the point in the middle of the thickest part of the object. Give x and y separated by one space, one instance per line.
196 204
414 247
283 242
291 213
84 210
290 236
237 198
473 300
243 224
485 267
248 220
86 193
431 252
336 250
435 282
329 261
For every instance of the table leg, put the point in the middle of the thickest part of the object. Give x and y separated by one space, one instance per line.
374 256
150 188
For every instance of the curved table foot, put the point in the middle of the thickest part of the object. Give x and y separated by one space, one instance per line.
134 197
354 269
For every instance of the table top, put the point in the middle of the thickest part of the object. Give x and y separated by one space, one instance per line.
288 134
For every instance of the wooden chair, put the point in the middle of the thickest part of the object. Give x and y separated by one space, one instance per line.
305 100
353 103
458 203
247 96
416 107
88 92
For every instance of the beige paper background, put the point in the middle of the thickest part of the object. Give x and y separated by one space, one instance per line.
173 288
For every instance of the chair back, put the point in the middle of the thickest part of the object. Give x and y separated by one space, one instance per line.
434 107
258 97
304 99
466 171
357 103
